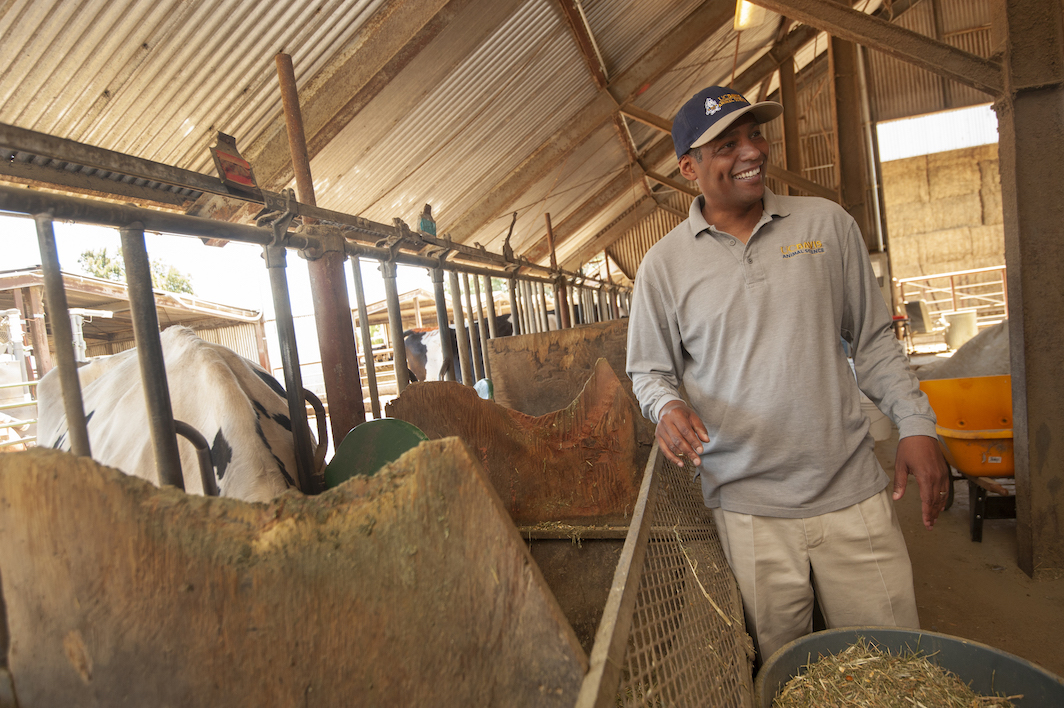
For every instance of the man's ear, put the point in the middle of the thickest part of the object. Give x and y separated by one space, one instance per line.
687 169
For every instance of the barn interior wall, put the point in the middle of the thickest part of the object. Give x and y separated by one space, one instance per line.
943 212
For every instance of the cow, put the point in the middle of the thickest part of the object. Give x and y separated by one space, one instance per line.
237 406
424 353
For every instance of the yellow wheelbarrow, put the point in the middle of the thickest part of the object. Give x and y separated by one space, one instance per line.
975 431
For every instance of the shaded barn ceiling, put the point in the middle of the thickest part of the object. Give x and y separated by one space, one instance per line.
481 108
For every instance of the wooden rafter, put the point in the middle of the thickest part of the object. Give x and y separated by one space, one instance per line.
908 46
574 17
688 35
609 235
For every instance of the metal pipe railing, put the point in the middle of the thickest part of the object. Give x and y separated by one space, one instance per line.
367 339
482 327
360 237
460 331
150 357
395 322
276 264
441 319
55 299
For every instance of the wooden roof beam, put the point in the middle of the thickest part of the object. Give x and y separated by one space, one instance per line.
785 48
392 38
614 190
577 21
688 35
612 233
852 25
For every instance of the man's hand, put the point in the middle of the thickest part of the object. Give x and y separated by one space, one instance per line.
919 455
680 432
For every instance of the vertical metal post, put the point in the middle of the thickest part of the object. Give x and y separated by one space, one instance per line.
276 263
460 330
483 327
489 295
395 324
526 302
328 284
571 306
515 312
603 311
561 311
441 321
477 359
542 290
367 340
614 312
150 357
55 299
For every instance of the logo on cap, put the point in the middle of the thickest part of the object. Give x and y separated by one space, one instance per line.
711 106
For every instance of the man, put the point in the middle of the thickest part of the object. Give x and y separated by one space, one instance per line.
747 305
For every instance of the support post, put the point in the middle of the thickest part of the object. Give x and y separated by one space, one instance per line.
792 145
850 154
328 283
482 327
38 332
1031 150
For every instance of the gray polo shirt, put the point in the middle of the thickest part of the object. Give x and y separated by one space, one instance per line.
753 333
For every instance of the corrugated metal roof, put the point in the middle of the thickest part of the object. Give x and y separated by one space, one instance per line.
159 79
469 104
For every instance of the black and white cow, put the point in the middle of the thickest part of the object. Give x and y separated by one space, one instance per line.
237 406
424 354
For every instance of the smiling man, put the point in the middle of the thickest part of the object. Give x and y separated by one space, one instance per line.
746 304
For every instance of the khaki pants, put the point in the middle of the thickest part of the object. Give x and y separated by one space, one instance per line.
860 569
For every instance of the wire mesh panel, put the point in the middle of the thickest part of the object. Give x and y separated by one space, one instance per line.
688 644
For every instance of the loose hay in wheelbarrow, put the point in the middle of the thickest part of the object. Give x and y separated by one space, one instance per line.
865 676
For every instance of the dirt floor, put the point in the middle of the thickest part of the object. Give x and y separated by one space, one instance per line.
976 590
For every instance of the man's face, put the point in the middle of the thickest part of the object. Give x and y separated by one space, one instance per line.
731 173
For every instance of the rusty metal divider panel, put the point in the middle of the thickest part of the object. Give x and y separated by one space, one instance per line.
672 632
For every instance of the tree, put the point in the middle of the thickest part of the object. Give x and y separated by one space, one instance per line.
163 276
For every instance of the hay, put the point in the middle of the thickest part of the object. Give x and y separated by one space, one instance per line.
864 676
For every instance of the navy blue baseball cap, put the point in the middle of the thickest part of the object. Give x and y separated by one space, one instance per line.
710 112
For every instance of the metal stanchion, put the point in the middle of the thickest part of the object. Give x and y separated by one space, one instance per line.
478 361
150 357
59 314
515 312
367 339
482 326
460 331
276 264
444 325
395 322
